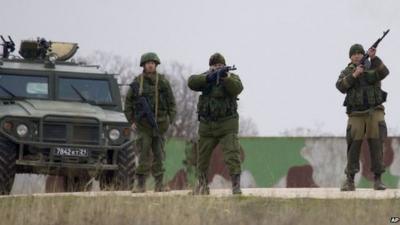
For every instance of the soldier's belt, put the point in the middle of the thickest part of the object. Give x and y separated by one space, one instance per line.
364 112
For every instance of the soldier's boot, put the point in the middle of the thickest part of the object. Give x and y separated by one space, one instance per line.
376 151
202 187
141 184
378 184
348 185
236 184
159 186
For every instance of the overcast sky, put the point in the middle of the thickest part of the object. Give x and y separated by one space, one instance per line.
288 53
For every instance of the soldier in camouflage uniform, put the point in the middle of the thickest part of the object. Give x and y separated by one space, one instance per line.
150 143
219 122
364 98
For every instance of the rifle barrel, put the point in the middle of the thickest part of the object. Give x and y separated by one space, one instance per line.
375 45
11 40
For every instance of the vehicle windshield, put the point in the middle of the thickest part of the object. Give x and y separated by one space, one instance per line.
85 90
17 86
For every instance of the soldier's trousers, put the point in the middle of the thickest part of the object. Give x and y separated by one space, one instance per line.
372 126
224 133
151 152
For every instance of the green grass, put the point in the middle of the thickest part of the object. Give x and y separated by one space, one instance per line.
173 210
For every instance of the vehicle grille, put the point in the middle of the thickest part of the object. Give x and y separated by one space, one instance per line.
86 134
71 130
54 132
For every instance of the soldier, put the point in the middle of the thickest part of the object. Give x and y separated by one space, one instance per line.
219 121
364 98
150 142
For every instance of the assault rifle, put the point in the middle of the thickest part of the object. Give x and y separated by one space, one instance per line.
375 45
215 75
143 108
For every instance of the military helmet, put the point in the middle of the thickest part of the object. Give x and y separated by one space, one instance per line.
356 48
149 56
217 58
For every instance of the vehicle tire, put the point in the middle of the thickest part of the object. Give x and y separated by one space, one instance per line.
8 157
124 177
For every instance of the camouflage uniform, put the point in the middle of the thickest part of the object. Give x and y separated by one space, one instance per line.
219 123
157 89
364 98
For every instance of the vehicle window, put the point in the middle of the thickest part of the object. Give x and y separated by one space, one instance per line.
97 91
24 86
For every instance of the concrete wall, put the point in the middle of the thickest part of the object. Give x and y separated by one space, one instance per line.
267 162
291 162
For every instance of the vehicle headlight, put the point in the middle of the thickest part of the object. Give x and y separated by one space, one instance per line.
22 130
114 134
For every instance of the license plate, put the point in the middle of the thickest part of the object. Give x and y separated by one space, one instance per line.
65 151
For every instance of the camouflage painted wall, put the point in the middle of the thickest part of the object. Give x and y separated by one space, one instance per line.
283 162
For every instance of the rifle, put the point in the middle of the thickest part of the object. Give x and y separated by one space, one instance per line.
8 46
143 108
375 45
216 75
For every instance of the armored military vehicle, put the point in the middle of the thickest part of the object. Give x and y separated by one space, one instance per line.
58 117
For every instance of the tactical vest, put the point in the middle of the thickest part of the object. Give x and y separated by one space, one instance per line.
365 94
148 88
216 104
